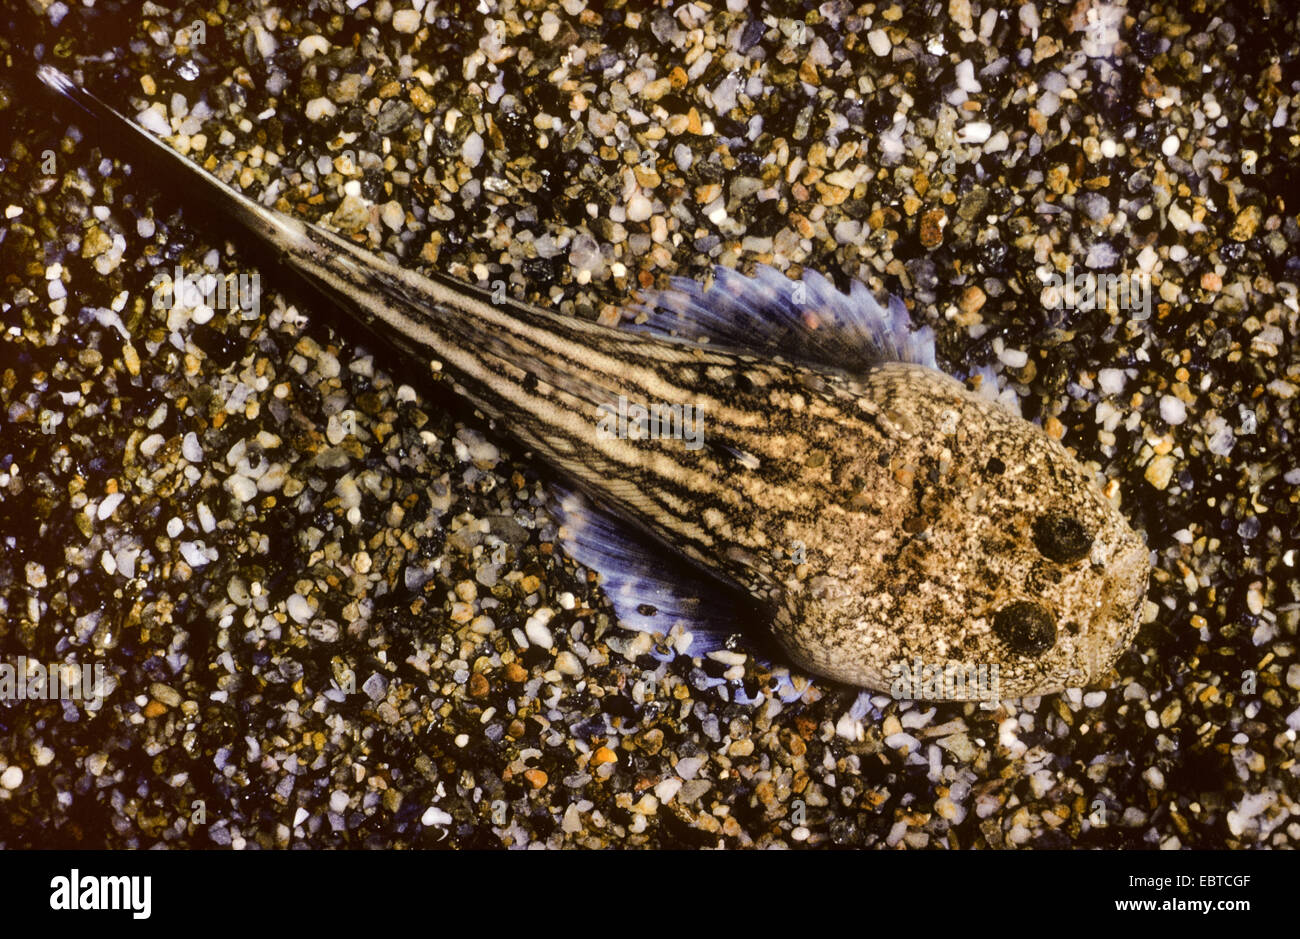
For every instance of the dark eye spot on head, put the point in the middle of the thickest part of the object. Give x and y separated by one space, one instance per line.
1061 538
1025 627
995 467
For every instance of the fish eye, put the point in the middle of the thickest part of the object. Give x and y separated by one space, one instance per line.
1026 627
1061 538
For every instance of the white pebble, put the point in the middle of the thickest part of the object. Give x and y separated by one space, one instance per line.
152 120
12 777
536 630
392 215
667 789
434 816
1222 441
878 39
194 553
1111 380
174 527
688 766
299 608
318 108
312 45
975 132
242 488
1170 145
1014 358
639 208
110 503
406 21
1172 410
471 151
191 449
151 445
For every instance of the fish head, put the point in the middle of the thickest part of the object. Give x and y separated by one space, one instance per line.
980 542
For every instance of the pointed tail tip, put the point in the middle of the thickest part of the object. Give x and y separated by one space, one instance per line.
55 79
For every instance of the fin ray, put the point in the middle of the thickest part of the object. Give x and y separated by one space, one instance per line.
808 320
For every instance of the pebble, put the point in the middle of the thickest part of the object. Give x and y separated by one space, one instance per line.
299 608
191 449
320 108
1160 470
471 151
313 45
406 21
536 630
434 816
1172 409
241 487
639 208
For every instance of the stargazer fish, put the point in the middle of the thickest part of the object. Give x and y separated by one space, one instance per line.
789 441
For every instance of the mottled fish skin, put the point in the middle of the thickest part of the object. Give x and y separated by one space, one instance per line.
883 518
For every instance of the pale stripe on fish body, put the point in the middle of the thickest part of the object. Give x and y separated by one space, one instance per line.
883 516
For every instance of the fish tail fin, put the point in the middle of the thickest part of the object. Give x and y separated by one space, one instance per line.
281 232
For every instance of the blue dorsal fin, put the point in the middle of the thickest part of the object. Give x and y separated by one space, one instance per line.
807 320
651 593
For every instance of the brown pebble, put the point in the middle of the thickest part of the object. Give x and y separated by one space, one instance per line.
603 755
478 685
932 225
155 709
536 778
972 298
422 100
1246 223
651 741
516 673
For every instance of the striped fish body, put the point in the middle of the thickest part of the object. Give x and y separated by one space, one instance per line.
883 515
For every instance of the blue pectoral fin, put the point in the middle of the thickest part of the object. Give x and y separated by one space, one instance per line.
809 321
770 315
654 593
